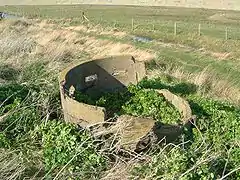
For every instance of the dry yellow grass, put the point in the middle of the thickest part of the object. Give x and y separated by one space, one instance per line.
59 44
56 40
207 83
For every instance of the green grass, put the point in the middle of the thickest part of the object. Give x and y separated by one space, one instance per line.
50 148
162 17
212 37
135 101
190 59
36 143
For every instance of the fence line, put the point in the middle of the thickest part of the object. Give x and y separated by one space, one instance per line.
226 33
199 29
178 28
132 24
175 28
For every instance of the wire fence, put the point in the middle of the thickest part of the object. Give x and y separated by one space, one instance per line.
137 22
176 28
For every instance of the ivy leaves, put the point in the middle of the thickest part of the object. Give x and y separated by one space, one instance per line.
63 144
135 101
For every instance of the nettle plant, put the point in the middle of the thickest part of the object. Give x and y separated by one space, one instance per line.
149 103
64 145
57 145
212 152
136 101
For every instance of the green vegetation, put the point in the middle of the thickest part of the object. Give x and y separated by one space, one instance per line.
28 127
35 142
213 152
210 52
64 145
210 151
135 101
151 104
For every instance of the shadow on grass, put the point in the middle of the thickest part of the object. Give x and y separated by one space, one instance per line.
8 73
173 134
182 88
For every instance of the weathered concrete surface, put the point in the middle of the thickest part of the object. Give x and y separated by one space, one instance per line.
93 77
180 104
109 74
133 132
211 4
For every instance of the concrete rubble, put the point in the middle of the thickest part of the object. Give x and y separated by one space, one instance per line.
110 74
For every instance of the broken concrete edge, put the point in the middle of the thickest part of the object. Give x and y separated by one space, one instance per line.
71 106
156 134
178 102
73 112
134 137
133 132
64 72
138 133
81 113
132 129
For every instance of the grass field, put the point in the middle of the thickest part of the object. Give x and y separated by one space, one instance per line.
187 49
209 4
36 143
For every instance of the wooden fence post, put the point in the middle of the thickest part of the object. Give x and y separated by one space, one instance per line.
84 18
226 33
132 24
115 24
101 18
175 28
153 27
199 29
